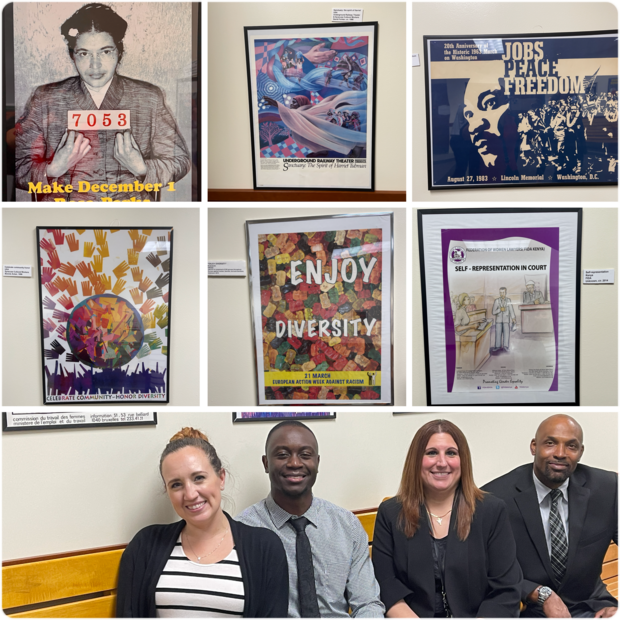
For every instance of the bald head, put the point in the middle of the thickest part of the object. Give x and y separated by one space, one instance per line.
557 449
561 420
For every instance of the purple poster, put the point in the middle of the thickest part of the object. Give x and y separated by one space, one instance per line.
501 294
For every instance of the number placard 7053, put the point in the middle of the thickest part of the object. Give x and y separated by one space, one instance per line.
97 120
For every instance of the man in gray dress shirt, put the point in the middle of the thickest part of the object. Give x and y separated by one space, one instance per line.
343 574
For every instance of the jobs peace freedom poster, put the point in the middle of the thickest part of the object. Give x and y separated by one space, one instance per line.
321 290
522 110
312 105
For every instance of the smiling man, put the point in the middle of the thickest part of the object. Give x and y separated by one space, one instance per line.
563 516
326 547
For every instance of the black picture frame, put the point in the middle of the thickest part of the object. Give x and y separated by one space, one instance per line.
50 426
49 303
543 138
436 308
193 82
281 417
370 29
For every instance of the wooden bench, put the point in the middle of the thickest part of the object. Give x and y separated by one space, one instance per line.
82 584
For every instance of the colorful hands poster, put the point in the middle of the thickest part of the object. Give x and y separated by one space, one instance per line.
321 292
500 300
522 110
102 102
312 95
105 310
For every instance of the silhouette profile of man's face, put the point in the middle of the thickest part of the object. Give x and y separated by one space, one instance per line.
485 104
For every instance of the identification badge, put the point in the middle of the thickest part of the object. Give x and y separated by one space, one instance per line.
96 120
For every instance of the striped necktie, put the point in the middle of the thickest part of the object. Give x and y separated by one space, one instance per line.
559 544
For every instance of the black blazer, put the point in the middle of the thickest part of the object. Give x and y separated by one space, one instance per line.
592 525
481 573
264 570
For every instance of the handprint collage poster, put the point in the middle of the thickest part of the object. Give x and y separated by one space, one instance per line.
102 101
312 105
522 110
321 292
105 312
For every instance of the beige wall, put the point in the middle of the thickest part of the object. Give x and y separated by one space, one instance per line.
232 370
230 157
65 490
598 356
493 18
21 329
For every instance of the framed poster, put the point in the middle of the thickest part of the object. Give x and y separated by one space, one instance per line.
112 113
45 421
247 416
105 313
536 109
312 96
322 309
500 300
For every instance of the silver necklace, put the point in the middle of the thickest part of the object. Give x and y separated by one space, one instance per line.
200 557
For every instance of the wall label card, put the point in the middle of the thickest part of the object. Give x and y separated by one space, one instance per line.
312 93
501 305
598 276
105 310
17 271
227 268
46 421
347 15
321 290
522 110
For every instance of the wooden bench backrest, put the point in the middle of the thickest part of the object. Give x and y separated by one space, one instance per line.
48 588
92 575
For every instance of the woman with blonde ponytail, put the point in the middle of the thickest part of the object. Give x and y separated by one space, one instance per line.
207 564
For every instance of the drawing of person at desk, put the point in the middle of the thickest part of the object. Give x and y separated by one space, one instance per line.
471 329
532 296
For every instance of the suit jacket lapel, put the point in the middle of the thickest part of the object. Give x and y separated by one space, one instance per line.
578 497
421 554
527 502
82 96
112 98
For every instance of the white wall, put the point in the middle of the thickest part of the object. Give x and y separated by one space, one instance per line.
21 329
232 370
230 157
65 490
598 355
495 18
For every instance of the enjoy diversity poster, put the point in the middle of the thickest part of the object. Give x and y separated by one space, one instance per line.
322 309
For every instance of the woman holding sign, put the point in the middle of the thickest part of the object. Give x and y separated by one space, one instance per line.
105 135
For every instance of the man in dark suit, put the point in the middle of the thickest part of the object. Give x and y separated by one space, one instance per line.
564 516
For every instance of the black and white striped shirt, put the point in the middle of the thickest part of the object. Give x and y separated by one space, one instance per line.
186 589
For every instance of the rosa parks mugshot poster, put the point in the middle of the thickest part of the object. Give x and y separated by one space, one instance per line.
322 309
104 96
522 110
105 309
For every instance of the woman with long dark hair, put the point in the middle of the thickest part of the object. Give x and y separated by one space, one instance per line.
442 547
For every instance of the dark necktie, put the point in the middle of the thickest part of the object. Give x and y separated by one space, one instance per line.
308 604
559 544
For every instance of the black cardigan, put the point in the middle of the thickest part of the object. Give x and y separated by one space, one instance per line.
482 576
261 555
